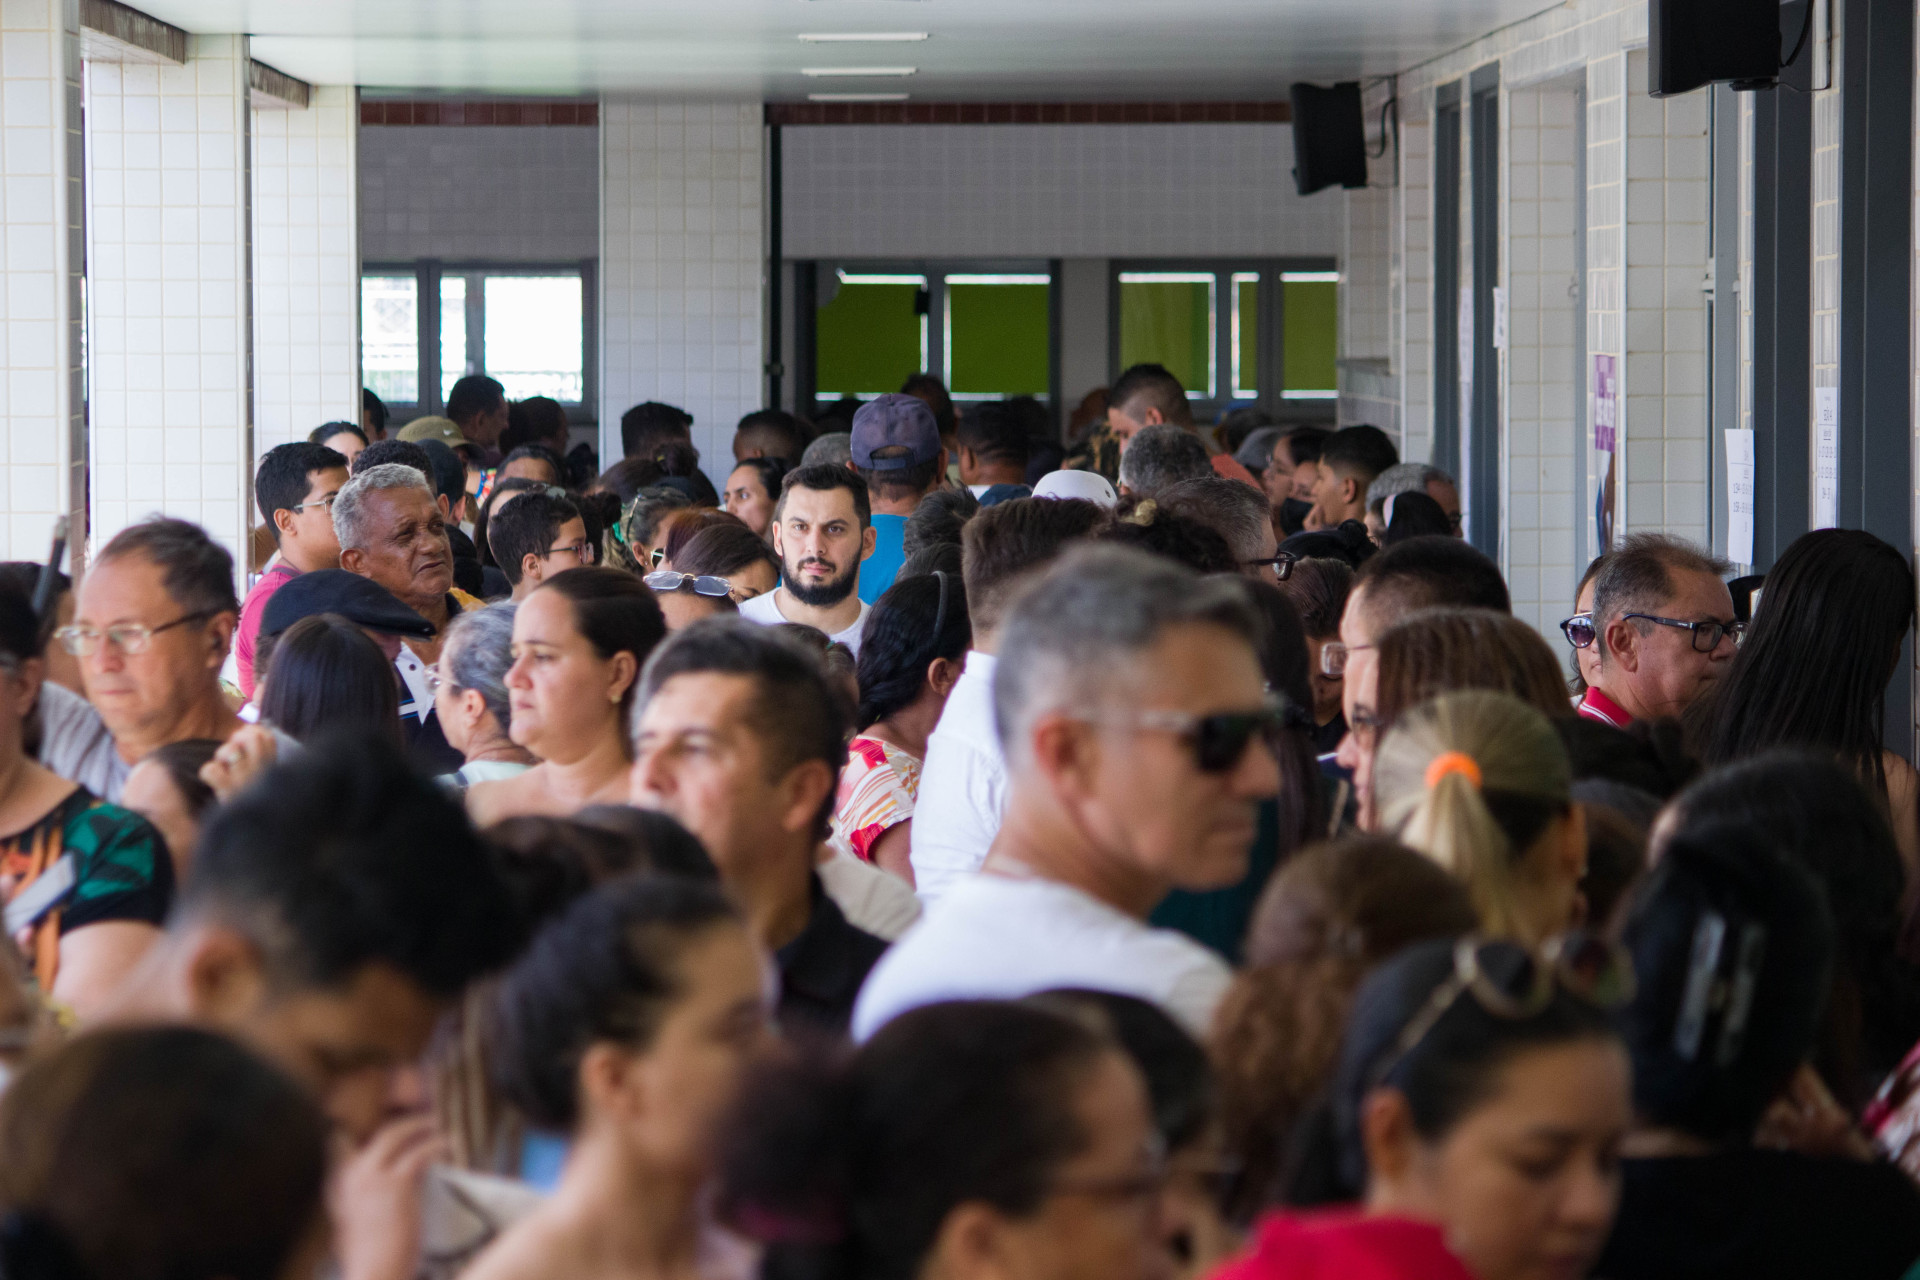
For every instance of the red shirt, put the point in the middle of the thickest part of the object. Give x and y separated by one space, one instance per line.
1227 469
1598 706
1343 1245
251 612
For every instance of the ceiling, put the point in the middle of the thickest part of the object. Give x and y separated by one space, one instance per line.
980 50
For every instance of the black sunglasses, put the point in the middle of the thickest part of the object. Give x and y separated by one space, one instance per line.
1579 630
1219 741
1706 635
1282 564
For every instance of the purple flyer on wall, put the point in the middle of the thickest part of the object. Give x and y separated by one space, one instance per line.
1606 403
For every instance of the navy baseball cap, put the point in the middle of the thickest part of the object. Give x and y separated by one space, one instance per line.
894 421
361 601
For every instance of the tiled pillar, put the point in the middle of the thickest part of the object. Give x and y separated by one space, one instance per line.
681 260
169 323
43 229
1824 332
1606 197
1414 249
1367 392
306 266
1541 366
1665 387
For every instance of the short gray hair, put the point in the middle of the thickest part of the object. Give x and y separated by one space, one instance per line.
1095 608
834 449
1234 509
478 651
1405 477
350 518
1160 456
1636 576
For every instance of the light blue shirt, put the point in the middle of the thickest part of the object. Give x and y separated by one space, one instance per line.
878 570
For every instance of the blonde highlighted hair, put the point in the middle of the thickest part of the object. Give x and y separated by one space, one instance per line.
1477 827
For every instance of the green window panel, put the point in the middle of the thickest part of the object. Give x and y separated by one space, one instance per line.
1246 335
1167 318
871 337
1311 335
998 335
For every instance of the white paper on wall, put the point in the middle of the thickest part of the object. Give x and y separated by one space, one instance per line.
1826 457
1499 318
1740 473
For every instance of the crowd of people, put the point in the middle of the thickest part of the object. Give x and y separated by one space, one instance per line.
943 852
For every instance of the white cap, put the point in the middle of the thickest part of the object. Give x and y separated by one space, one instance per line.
1090 485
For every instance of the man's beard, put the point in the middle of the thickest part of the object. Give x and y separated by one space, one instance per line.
823 595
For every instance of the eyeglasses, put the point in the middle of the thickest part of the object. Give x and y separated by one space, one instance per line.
1334 656
326 502
1706 635
1579 630
581 548
704 584
127 637
1511 982
1149 1181
1219 741
1282 564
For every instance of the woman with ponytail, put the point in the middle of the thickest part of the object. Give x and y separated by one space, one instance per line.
915 639
1479 782
972 1140
627 1027
160 1153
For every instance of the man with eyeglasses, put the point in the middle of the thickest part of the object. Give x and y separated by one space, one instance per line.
153 620
1135 720
1664 626
536 536
295 488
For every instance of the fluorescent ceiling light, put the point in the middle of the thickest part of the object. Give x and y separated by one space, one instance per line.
862 37
871 72
856 97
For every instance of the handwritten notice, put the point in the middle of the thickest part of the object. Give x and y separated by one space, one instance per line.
1826 457
1740 473
1606 402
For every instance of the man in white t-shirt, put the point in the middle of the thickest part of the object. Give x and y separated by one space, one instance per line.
822 530
1134 716
963 784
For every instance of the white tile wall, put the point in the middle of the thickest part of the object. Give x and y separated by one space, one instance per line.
1606 265
520 193
42 229
169 302
1667 454
306 267
1369 391
1825 331
1540 273
1414 245
1097 191
681 261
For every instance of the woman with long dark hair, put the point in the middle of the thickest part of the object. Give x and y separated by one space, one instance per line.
324 673
1814 668
910 654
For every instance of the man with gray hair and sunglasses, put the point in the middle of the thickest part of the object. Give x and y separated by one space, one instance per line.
1130 703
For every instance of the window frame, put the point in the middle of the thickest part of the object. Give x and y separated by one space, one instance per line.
1270 274
938 351
428 272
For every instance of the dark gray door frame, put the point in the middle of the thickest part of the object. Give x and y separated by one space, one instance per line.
1481 458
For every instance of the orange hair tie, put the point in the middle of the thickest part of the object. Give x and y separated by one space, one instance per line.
1453 762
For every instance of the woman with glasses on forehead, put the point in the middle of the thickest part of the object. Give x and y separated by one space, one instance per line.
1477 1110
1814 668
1479 782
85 884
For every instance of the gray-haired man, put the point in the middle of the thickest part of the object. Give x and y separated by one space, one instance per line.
1131 707
391 530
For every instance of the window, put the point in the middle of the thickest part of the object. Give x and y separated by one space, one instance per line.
1265 332
527 326
986 329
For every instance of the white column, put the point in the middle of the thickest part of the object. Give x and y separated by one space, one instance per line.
42 231
1606 264
168 321
306 266
681 259
1414 249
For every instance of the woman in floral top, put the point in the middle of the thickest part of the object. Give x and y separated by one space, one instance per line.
910 656
86 884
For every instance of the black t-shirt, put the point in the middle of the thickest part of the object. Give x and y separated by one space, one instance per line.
1754 1215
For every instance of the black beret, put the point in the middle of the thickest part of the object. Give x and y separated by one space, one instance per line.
361 601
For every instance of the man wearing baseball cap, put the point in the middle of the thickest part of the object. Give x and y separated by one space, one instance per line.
897 451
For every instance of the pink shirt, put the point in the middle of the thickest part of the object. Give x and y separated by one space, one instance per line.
251 611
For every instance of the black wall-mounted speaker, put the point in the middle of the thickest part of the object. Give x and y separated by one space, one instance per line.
1329 137
1691 43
